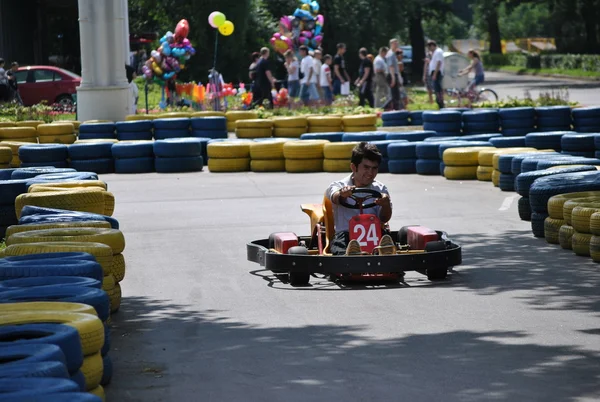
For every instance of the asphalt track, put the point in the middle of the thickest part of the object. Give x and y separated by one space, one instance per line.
517 321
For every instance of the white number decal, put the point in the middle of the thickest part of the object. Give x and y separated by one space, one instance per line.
371 235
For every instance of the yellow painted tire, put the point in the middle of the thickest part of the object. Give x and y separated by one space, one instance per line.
253 132
118 267
339 150
460 172
324 129
70 184
7 124
75 123
99 392
175 115
29 123
557 202
14 146
581 243
138 117
254 123
11 230
217 165
336 165
565 237
496 178
87 200
463 156
111 237
595 224
267 150
108 283
18 132
109 198
360 120
58 139
267 165
15 162
303 165
580 218
115 299
4 165
236 115
229 150
570 205
6 155
304 149
290 122
11 308
90 328
55 129
325 121
102 252
294 132
359 129
231 126
92 370
208 113
551 230
486 158
484 173
595 248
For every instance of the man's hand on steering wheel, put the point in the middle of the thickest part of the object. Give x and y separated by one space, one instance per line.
354 191
346 192
384 201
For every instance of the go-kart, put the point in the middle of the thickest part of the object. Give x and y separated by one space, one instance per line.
429 252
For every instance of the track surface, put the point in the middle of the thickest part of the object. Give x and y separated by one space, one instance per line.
518 321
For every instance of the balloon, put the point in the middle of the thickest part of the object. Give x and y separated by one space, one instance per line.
166 49
280 43
182 30
286 23
156 56
318 39
218 19
320 19
211 19
318 30
226 28
309 25
306 7
157 70
186 42
307 34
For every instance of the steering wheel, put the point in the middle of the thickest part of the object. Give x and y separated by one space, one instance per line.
370 195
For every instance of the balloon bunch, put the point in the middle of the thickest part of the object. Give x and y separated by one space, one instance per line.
169 59
282 98
304 27
218 20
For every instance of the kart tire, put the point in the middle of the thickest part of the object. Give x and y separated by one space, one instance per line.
339 150
50 369
436 273
290 132
266 150
360 136
38 153
412 136
484 173
298 278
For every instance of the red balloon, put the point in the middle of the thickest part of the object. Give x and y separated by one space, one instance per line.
182 30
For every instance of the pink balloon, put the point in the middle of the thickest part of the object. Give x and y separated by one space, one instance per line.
186 42
320 19
211 19
307 34
319 38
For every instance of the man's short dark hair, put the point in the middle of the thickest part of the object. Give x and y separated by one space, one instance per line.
367 151
341 46
304 48
255 56
363 51
431 43
14 64
384 49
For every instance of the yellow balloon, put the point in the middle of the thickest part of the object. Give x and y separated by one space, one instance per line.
227 28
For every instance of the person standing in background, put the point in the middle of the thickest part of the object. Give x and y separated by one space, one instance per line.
403 94
11 74
326 83
293 69
252 73
133 89
436 68
340 75
318 55
308 83
264 80
426 76
394 73
4 85
382 88
365 80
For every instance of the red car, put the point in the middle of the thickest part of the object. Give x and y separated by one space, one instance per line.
47 83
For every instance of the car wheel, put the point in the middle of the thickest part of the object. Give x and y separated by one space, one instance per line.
65 100
299 278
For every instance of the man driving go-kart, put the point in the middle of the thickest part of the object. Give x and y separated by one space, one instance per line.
348 193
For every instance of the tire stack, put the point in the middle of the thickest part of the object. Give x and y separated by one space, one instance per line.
92 157
213 127
508 142
578 215
38 155
517 121
19 134
402 157
462 163
444 145
586 120
267 156
338 156
360 123
6 157
331 137
573 161
76 124
137 117
428 158
553 118
207 113
396 119
29 123
140 130
234 116
229 156
305 156
412 136
595 240
289 127
416 118
9 190
444 123
133 156
255 128
481 122
92 200
178 155
382 146
579 144
170 128
556 229
97 131
324 124
546 140
486 161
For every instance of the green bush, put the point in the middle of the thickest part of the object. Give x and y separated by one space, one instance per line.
585 62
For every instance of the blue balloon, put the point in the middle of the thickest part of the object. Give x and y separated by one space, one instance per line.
168 76
166 49
163 39
318 29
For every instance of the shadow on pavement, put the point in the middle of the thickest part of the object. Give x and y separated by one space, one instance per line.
168 352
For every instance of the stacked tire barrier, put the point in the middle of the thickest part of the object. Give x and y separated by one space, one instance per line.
508 142
255 128
97 131
337 156
546 140
579 144
92 156
178 155
267 156
462 163
396 119
178 127
412 136
140 130
481 122
305 156
324 124
402 157
6 156
586 120
133 156
383 146
444 145
58 132
428 158
213 127
553 118
289 127
444 123
331 137
229 156
233 117
416 118
518 121
38 155
19 134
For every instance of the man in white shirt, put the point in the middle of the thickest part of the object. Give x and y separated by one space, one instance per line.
382 88
293 69
325 81
318 64
308 83
436 68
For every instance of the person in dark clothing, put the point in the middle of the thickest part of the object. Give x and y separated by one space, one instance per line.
4 86
264 80
365 79
340 75
11 74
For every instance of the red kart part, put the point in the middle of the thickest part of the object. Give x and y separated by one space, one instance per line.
419 236
284 241
366 229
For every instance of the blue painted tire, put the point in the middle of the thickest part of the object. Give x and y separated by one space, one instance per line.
402 166
480 137
212 134
31 353
178 148
402 150
592 112
97 136
108 371
507 182
553 111
36 153
162 134
10 269
79 379
5 174
331 137
546 164
43 257
209 123
65 337
135 136
367 136
134 165
97 128
25 387
428 150
554 122
61 397
528 123
438 138
583 154
460 144
531 164
57 164
443 127
39 369
442 116
508 142
524 181
428 167
66 217
481 116
486 127
10 190
396 123
578 142
128 150
382 146
28 173
99 166
8 216
514 113
85 151
517 132
134 126
412 136
542 189
50 281
179 164
172 124
396 115
547 140
587 129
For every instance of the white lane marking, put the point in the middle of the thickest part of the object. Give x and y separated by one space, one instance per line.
508 202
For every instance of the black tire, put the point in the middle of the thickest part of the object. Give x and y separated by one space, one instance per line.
537 224
65 337
79 379
134 165
38 153
299 278
13 284
31 353
40 369
436 273
129 150
85 151
65 101
524 209
25 269
403 234
25 387
107 372
486 95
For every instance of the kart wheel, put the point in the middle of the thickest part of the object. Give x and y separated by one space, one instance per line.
437 273
299 278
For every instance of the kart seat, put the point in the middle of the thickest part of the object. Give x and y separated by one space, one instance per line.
322 214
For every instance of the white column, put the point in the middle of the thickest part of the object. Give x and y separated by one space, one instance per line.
127 49
86 29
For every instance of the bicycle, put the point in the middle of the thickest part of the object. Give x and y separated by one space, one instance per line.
474 96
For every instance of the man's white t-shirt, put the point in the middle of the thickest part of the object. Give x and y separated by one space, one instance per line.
296 74
318 65
438 55
325 72
133 97
341 214
380 65
307 66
